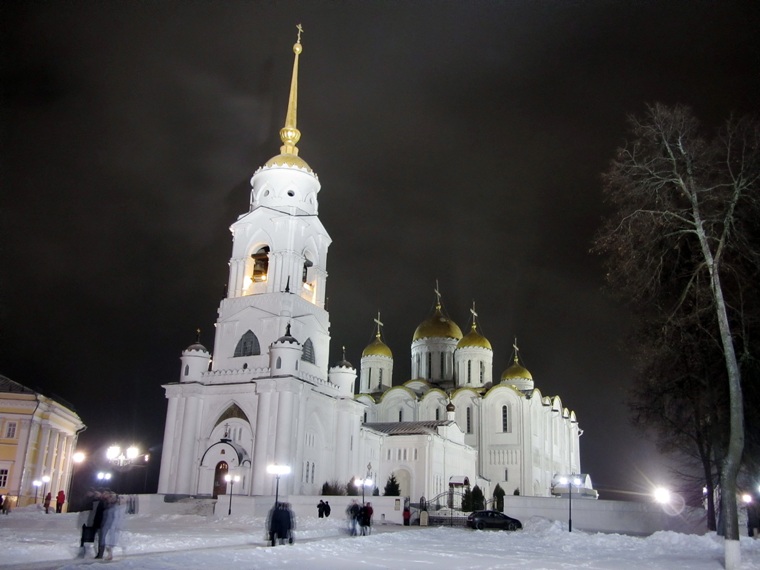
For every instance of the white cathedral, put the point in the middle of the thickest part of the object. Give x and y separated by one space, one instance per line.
267 396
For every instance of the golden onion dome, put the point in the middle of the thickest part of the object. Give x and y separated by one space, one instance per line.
286 159
474 339
438 326
516 372
377 348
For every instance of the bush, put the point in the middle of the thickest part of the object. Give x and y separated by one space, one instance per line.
333 487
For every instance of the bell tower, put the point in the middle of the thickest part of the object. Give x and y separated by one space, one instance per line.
278 268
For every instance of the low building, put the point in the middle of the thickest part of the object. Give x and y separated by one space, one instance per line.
38 435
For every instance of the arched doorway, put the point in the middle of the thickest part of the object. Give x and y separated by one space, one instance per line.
220 485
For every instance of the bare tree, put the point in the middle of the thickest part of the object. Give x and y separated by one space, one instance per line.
682 203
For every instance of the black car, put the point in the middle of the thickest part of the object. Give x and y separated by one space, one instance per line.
492 519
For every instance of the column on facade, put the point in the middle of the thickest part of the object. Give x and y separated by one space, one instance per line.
260 483
187 453
167 454
68 464
60 463
343 435
283 442
42 449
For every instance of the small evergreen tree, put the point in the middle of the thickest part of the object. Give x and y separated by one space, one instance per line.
333 487
498 495
467 500
478 499
351 488
376 492
392 488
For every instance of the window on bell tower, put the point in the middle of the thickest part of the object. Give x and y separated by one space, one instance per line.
307 353
260 264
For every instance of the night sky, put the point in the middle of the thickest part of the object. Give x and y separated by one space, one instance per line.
457 141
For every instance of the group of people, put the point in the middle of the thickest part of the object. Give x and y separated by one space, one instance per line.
281 523
60 498
104 521
323 509
359 518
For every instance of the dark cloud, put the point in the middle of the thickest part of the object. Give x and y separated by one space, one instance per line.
455 141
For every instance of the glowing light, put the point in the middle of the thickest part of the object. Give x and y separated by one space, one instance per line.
746 498
662 495
78 457
278 469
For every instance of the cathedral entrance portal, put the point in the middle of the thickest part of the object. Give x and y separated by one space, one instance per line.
220 485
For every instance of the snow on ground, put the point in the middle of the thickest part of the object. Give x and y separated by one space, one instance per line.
31 540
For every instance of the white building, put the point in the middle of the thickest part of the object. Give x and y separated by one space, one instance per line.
267 396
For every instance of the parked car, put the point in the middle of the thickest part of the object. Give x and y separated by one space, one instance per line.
492 519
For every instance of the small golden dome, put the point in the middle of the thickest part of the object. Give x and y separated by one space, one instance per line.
474 339
438 326
377 348
516 372
286 159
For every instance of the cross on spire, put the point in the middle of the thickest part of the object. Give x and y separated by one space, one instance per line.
437 294
300 31
198 335
517 350
379 324
474 314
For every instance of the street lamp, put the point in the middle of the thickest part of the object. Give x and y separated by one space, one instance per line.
37 484
277 470
231 480
45 480
365 482
570 481
103 477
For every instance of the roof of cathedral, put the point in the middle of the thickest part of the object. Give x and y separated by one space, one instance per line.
408 428
377 348
438 326
474 339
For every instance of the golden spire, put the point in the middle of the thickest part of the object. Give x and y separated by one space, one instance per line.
289 134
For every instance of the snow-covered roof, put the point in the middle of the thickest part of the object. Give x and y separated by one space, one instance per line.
408 428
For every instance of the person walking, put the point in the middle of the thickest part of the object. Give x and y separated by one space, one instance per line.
327 509
113 519
60 498
321 509
366 523
48 498
352 513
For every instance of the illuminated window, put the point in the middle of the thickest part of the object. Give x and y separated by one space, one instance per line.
248 345
4 478
260 264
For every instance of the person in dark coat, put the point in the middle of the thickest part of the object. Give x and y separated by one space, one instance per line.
60 498
281 525
48 498
327 509
321 509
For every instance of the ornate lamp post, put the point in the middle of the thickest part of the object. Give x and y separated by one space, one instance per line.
231 479
277 470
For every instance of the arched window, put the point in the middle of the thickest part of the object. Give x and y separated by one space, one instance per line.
401 415
248 345
482 372
469 419
505 419
469 371
187 369
278 365
380 380
429 365
417 372
437 414
260 264
307 353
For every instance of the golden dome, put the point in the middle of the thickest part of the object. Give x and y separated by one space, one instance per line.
438 326
377 348
286 159
474 339
516 372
